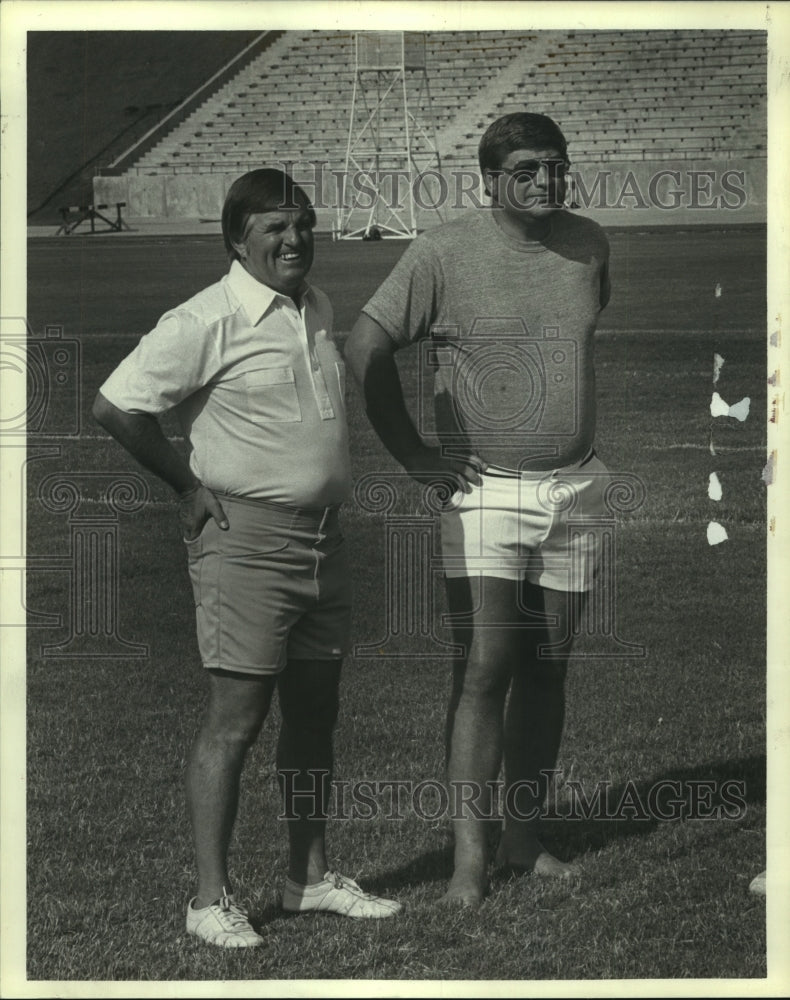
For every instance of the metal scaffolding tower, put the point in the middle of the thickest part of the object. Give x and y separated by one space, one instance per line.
383 181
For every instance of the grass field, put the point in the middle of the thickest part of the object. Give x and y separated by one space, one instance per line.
109 857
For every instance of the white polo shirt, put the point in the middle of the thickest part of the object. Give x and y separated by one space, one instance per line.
258 387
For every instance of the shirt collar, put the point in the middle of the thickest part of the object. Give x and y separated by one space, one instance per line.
255 297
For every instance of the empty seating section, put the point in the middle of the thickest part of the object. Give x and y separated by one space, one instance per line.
616 94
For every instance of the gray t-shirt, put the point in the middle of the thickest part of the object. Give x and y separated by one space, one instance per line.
506 331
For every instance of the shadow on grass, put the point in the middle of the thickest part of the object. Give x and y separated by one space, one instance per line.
717 791
712 791
432 866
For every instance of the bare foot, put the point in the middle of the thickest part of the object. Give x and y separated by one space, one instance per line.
467 888
547 866
533 857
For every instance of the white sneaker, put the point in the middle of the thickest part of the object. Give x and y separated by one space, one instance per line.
337 894
223 923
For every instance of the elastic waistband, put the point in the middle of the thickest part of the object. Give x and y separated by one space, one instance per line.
500 472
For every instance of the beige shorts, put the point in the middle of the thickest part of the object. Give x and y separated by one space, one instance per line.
274 587
545 527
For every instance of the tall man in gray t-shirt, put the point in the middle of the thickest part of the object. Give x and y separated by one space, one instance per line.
509 299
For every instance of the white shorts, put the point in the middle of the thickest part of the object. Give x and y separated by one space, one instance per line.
545 527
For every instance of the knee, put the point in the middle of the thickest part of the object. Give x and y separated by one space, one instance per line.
238 734
232 726
309 693
310 717
482 681
541 683
310 709
236 710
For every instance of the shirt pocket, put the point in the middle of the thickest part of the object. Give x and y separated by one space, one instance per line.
272 396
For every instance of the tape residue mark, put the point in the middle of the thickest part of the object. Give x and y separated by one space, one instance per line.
716 533
769 472
720 408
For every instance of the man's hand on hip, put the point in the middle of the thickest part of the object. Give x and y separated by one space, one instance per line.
195 507
427 465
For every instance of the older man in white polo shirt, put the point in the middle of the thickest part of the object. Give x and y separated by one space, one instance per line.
250 368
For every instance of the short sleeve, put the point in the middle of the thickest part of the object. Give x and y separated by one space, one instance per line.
175 359
406 303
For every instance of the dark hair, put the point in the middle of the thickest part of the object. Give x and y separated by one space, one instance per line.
520 130
263 190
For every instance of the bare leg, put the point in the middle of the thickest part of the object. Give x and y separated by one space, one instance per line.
238 704
475 721
308 691
533 730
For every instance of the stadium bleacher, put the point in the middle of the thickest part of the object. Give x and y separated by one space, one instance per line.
675 96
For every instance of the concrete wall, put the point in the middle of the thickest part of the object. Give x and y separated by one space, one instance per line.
159 196
646 193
